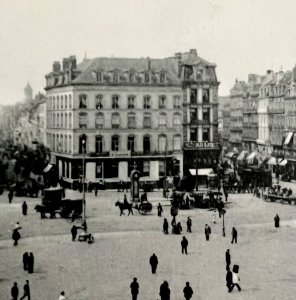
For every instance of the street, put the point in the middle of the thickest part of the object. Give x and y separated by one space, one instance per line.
123 246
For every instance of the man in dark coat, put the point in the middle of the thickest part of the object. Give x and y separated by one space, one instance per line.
234 235
226 195
14 291
25 260
31 263
165 293
207 232
26 291
134 289
74 232
10 195
153 262
276 221
165 226
24 208
16 236
159 210
184 245
188 292
228 259
189 224
229 280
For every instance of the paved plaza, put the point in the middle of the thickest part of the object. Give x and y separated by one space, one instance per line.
123 246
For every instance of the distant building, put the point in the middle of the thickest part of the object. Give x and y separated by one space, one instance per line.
132 113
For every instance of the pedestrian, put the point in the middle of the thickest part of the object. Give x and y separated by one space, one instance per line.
276 221
235 278
207 232
228 259
184 245
188 292
14 291
173 223
159 210
234 235
62 296
214 216
164 292
165 226
153 262
24 208
229 280
31 263
189 224
10 195
25 260
16 236
26 291
74 232
226 195
134 289
96 191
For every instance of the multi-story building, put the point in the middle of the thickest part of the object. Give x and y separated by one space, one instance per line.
250 116
226 124
127 112
236 114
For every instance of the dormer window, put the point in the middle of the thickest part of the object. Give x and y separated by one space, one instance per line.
162 77
131 77
115 77
199 74
146 78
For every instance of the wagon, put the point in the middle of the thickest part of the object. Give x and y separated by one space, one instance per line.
144 208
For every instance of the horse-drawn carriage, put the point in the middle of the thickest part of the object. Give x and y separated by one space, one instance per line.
283 196
53 203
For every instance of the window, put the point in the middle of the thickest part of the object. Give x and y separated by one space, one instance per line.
58 120
115 77
205 134
198 74
99 144
162 120
146 168
193 114
66 102
66 120
54 120
53 142
53 103
177 102
99 120
58 102
177 143
162 101
99 169
62 102
177 119
82 101
70 143
70 120
193 96
162 77
193 134
62 120
82 143
66 143
131 120
115 102
115 143
147 121
131 102
206 115
205 96
70 101
162 143
146 144
131 143
146 78
99 102
82 120
115 120
161 171
147 102
131 77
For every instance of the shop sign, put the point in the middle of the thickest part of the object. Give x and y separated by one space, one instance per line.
201 145
120 154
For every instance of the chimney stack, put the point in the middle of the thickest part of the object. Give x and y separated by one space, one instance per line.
193 52
56 67
73 62
149 63
66 64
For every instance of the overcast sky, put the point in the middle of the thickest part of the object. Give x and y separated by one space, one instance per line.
240 36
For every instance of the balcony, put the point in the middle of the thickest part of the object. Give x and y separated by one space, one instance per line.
151 153
276 110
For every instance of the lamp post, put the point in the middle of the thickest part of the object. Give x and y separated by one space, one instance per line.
83 182
223 212
196 171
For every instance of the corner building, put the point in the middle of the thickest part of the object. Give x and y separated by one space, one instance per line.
130 111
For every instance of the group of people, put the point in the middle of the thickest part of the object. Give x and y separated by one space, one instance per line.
278 191
28 262
15 291
164 290
176 226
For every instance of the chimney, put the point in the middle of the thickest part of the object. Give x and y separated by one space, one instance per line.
56 67
193 52
149 63
178 55
73 62
66 64
269 72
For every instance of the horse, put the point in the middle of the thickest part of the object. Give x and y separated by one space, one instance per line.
124 206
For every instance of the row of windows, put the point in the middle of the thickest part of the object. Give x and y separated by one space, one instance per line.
59 120
60 102
100 103
205 134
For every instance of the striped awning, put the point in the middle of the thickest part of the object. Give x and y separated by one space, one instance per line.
288 138
283 162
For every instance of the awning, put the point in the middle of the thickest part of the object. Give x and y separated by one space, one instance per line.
242 155
251 156
288 138
272 161
201 172
283 162
229 154
47 168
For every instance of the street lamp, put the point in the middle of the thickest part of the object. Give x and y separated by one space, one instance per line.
223 212
83 182
196 171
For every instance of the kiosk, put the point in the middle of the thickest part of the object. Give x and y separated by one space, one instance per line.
135 177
